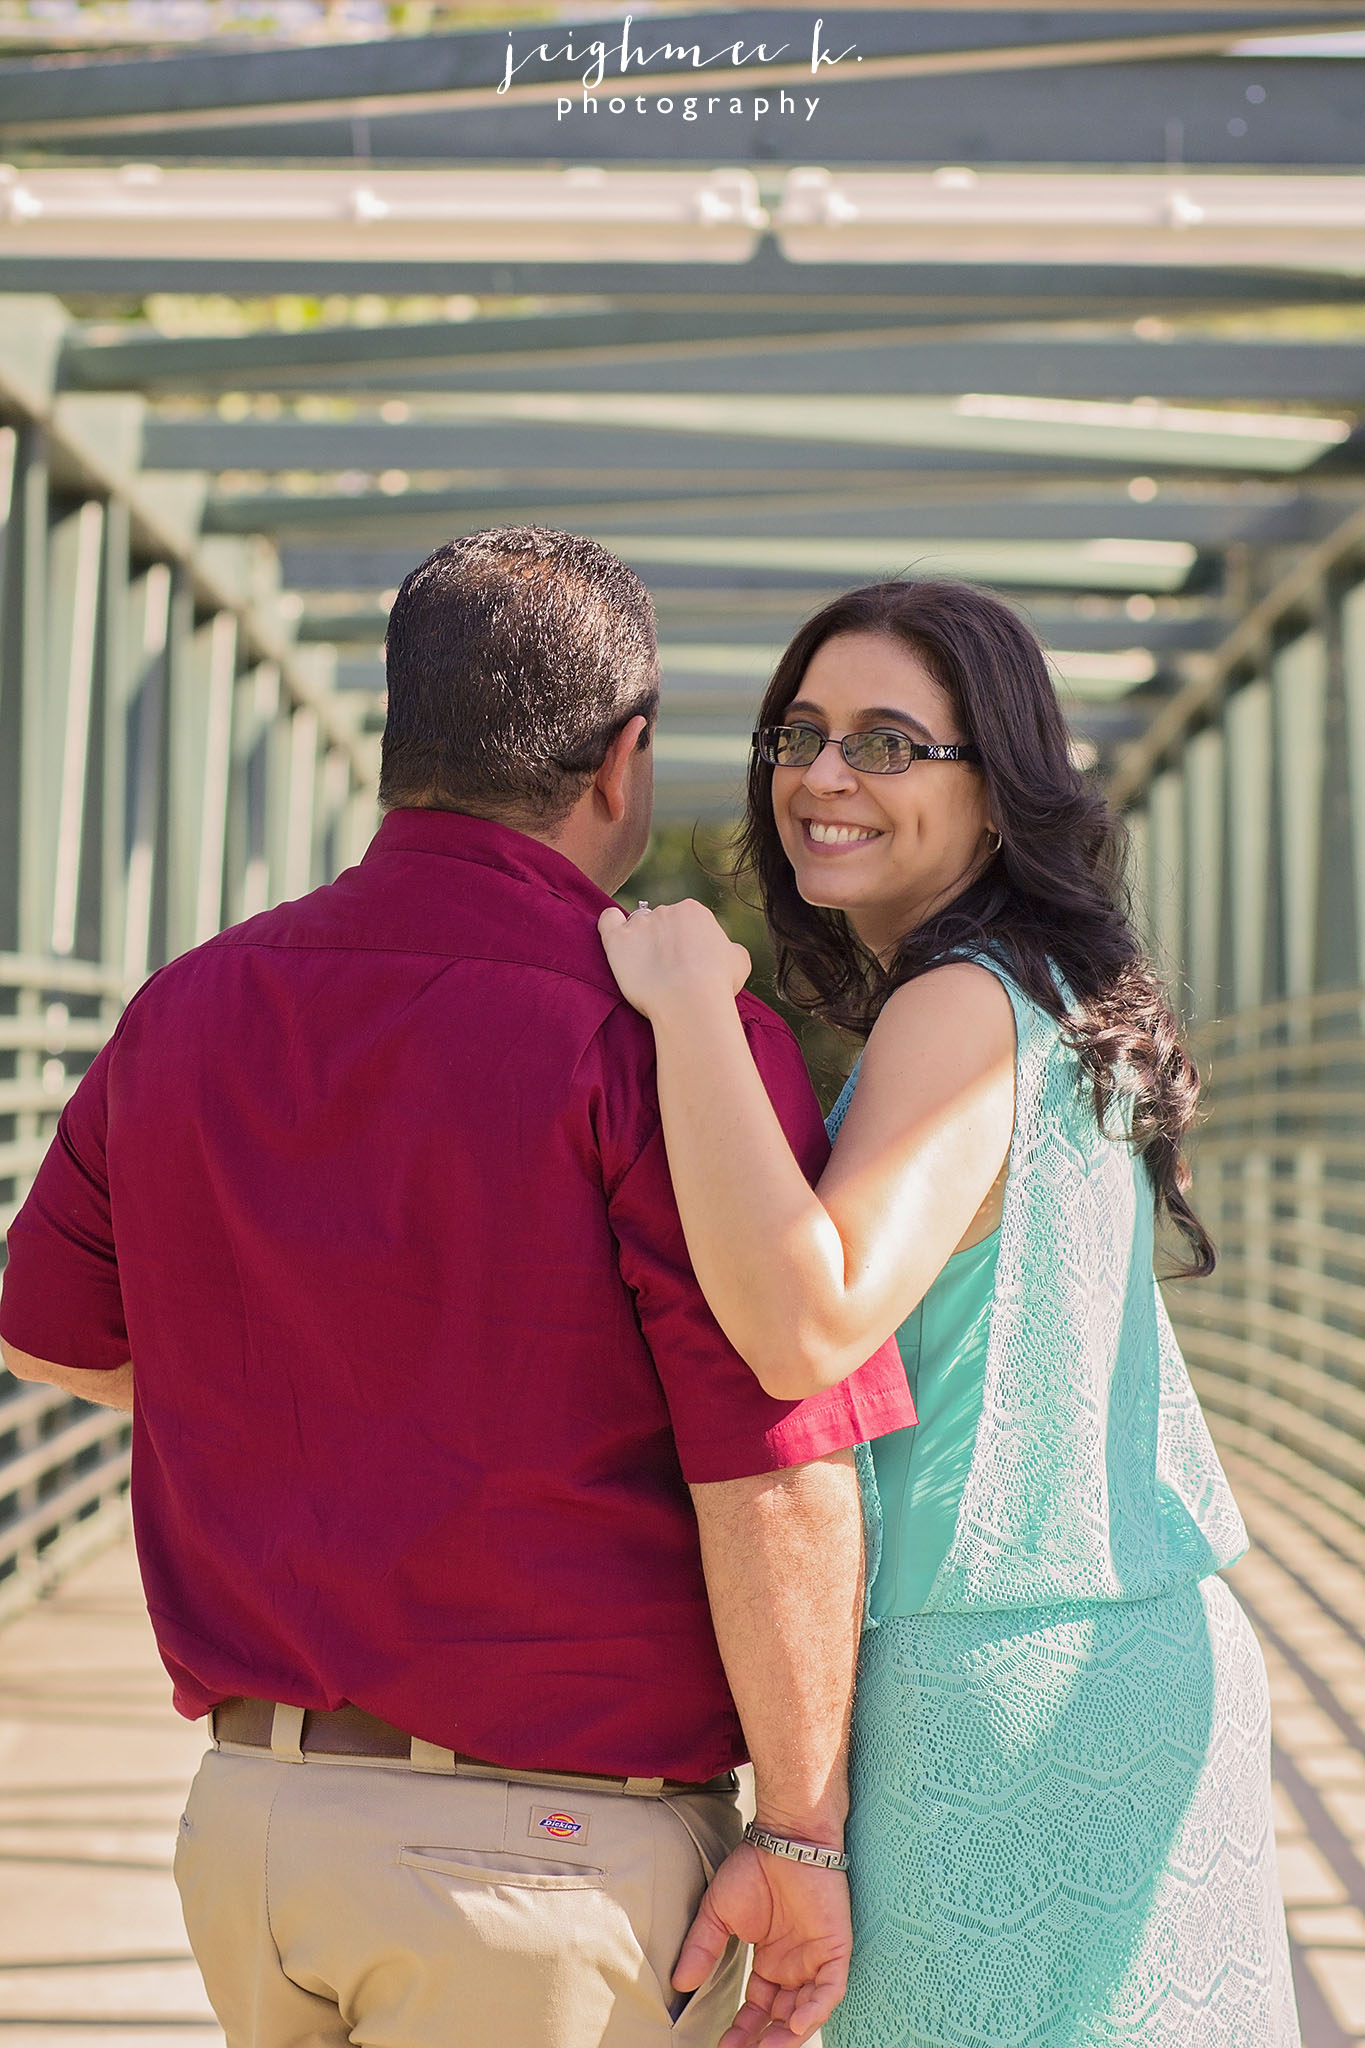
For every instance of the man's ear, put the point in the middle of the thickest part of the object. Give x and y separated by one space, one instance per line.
609 783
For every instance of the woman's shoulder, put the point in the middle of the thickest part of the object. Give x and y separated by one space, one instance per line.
964 1008
945 1029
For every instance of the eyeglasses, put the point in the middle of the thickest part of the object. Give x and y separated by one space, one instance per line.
883 751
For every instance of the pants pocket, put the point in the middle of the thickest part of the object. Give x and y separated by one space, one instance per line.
525 1873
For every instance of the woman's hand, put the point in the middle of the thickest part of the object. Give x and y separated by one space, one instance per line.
670 959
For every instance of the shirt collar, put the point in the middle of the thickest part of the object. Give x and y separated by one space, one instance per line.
488 844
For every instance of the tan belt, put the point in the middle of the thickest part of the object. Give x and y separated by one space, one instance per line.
349 1735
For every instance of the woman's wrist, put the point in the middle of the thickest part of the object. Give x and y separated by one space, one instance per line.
696 1009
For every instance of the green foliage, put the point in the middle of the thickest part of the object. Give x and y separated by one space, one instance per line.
685 861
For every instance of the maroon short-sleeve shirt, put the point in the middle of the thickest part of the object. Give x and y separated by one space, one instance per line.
372 1189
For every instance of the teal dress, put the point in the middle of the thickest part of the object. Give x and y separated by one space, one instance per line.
1061 1828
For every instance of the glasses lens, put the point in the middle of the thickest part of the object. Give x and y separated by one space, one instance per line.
790 746
878 753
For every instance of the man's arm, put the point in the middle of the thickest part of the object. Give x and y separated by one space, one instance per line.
110 1388
784 1573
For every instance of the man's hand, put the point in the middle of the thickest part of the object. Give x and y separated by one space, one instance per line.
796 1918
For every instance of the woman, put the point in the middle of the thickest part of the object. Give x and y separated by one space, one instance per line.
1060 1831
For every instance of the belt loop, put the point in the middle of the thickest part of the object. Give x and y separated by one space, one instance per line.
286 1734
429 1756
213 1727
643 1788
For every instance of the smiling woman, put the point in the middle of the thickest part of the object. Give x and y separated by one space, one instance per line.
875 794
1010 851
1060 1823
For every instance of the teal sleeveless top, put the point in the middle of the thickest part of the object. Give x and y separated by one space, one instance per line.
1091 1474
921 1472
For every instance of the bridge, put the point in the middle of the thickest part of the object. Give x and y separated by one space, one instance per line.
1069 303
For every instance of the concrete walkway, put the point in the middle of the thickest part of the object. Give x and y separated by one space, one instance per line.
1303 1585
94 1765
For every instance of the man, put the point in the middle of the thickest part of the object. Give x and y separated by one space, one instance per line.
371 1191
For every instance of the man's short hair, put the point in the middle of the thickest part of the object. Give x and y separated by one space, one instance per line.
514 658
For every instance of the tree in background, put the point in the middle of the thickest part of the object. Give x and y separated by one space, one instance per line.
683 860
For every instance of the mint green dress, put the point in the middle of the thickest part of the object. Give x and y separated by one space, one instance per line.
1061 1828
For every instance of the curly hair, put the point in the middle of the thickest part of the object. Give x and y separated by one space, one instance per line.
1051 904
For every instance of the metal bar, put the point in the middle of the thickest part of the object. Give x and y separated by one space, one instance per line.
1277 1415
71 977
217 763
371 106
84 600
777 347
103 1426
62 1506
1211 674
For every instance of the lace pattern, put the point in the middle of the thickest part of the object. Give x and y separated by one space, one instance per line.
1093 1476
1061 1832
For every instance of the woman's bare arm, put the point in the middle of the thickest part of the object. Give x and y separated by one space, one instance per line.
806 1283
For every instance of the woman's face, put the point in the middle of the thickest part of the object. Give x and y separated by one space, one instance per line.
887 850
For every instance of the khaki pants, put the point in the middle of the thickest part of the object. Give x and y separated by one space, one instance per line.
331 1903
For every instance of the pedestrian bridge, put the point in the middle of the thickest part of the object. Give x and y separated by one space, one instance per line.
1081 317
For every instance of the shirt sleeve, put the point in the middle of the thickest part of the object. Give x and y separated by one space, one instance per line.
61 1300
724 1425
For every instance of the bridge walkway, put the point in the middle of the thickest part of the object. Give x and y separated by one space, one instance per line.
94 1765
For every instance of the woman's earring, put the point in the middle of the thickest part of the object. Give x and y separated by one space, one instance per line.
994 841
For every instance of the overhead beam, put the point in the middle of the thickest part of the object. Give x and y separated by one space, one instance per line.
488 450
199 92
625 351
275 359
486 430
1267 519
953 292
756 617
1140 110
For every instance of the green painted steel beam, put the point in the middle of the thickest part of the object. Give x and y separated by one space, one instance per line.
954 292
635 350
1072 631
500 431
416 68
345 583
1264 518
356 357
1113 102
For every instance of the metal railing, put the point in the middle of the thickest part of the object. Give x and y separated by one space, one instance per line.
63 1463
1276 1338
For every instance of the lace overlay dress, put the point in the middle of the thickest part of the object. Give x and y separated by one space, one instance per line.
1061 1830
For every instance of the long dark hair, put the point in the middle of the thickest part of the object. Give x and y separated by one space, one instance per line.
1051 900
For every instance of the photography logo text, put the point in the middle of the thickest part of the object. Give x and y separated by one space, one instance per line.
675 67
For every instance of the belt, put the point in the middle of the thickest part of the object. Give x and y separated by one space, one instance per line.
349 1735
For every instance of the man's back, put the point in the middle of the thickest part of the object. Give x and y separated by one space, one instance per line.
365 1213
418 1349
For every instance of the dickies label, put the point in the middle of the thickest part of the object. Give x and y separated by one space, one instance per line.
557 1824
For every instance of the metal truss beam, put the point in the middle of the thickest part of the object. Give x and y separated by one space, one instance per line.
353 356
1097 112
440 72
1213 521
1290 604
475 455
756 617
632 351
954 293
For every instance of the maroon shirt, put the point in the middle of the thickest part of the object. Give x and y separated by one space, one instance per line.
373 1191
